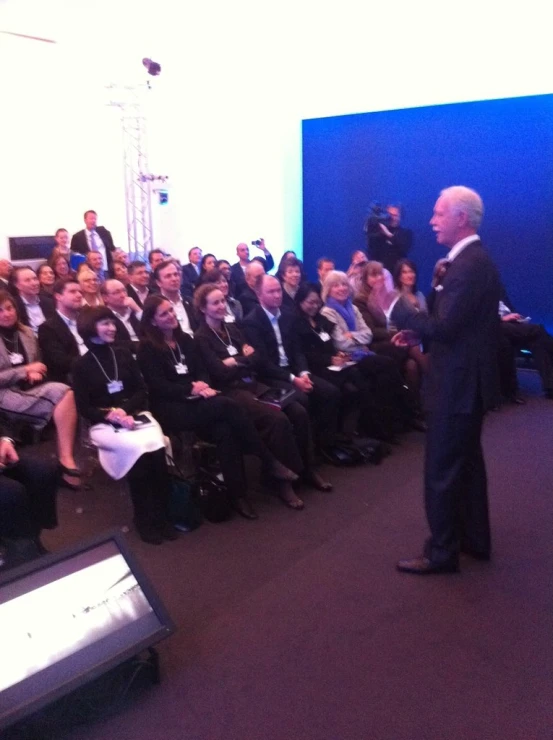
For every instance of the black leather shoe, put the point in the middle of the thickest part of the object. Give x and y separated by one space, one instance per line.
148 534
423 566
477 554
168 532
243 506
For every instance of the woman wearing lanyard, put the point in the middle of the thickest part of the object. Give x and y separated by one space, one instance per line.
111 394
183 400
231 365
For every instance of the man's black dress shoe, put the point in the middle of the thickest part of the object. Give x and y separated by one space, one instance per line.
243 506
423 566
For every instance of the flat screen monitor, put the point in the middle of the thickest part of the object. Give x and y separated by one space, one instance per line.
68 617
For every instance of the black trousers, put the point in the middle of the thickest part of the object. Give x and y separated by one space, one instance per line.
150 486
538 341
456 495
28 497
221 421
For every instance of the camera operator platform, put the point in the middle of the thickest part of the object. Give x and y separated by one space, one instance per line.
387 241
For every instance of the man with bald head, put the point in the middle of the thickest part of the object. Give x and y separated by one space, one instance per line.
462 333
248 296
238 270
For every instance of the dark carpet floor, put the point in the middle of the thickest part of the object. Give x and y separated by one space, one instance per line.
298 625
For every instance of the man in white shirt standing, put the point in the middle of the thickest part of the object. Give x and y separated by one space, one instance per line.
168 277
94 238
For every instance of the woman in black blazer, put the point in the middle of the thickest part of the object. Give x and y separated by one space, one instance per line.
231 364
111 394
183 400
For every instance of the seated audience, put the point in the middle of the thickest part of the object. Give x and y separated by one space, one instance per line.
139 280
518 333
369 300
352 335
6 268
358 262
182 400
95 263
121 272
60 343
289 257
155 257
224 266
248 295
282 364
112 396
46 279
233 308
28 488
324 266
126 314
191 272
60 265
168 279
405 281
238 270
33 309
90 287
209 262
26 397
61 238
121 256
290 281
231 363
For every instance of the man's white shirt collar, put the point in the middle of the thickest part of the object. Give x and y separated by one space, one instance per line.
456 250
272 316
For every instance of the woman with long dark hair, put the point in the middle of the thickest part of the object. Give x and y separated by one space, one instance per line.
111 394
183 400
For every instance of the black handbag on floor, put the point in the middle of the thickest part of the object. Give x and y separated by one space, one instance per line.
184 510
212 497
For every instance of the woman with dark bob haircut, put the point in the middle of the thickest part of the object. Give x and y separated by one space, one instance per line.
183 400
111 394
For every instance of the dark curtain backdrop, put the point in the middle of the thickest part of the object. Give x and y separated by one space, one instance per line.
501 148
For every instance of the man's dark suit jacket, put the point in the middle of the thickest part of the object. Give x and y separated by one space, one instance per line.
237 273
248 300
132 293
46 303
189 280
58 348
463 333
259 333
79 244
390 252
122 336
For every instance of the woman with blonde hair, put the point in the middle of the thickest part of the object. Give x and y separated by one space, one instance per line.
90 286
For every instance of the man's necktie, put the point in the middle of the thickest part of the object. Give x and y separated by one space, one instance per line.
93 242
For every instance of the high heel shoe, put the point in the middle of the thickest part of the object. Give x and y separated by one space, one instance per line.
71 472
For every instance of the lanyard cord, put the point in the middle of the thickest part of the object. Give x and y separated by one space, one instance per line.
102 369
230 344
181 356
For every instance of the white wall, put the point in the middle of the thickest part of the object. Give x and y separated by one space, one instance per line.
225 115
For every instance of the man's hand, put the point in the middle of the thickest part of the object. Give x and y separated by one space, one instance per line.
405 338
339 360
8 454
512 317
247 350
132 304
198 386
303 383
387 233
230 362
262 246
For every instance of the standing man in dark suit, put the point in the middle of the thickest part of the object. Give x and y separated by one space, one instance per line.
94 238
462 332
191 273
59 341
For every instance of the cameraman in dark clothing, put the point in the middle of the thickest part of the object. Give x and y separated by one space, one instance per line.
387 241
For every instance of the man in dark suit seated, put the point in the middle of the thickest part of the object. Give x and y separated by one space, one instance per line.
462 331
191 272
32 309
238 270
6 268
248 297
324 266
283 365
28 487
168 279
58 338
94 238
139 279
126 314
518 333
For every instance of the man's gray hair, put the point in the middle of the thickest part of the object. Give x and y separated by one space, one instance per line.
466 200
